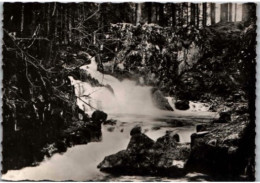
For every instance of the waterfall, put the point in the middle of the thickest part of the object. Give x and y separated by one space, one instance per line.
126 98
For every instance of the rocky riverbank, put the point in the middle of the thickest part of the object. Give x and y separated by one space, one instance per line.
222 149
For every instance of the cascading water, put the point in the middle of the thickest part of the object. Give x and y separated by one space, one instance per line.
126 97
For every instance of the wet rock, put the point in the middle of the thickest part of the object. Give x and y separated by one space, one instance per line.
136 130
139 142
111 129
81 133
99 116
200 128
169 139
143 156
109 87
160 101
224 117
61 146
176 137
241 109
221 151
178 123
156 128
182 105
110 122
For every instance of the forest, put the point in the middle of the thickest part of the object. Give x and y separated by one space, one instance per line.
191 51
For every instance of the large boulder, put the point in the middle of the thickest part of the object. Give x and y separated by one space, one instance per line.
136 130
182 105
99 116
225 151
143 156
224 117
160 101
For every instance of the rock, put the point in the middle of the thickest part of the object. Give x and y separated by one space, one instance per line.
136 130
99 116
143 156
182 105
200 128
111 129
178 123
110 122
61 146
160 101
222 151
169 139
176 137
197 135
139 142
109 87
224 117
241 109
156 128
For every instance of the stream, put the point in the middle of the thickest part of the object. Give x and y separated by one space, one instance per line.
80 162
129 105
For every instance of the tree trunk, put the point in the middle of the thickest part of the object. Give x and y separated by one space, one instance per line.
22 20
248 11
224 12
149 12
65 25
193 13
61 25
48 18
213 13
161 15
173 8
204 14
181 13
235 12
198 15
230 12
138 13
187 12
70 25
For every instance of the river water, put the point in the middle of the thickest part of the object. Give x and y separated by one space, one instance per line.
130 105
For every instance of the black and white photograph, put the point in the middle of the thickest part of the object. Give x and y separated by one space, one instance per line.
129 92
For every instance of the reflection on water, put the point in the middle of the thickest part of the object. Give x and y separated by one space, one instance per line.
80 162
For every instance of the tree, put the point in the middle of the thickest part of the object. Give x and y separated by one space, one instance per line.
248 11
235 12
149 11
173 10
161 15
138 13
224 12
198 15
230 6
213 13
22 19
192 14
204 14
